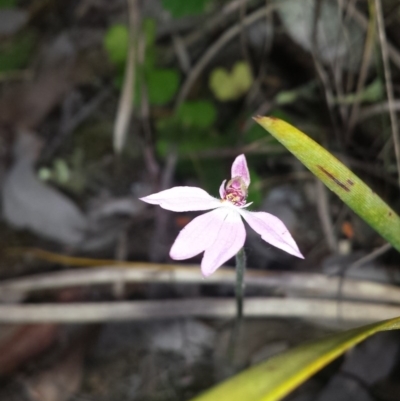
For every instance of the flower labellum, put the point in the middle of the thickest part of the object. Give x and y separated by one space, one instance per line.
220 234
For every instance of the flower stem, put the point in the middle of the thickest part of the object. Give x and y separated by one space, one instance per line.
240 269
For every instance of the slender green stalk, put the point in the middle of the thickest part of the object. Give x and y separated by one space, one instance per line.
240 269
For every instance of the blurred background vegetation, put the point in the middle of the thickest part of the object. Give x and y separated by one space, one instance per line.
102 102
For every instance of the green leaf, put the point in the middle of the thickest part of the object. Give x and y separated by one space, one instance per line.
149 29
291 96
61 171
255 133
8 3
116 42
15 53
255 195
188 130
198 114
162 85
181 8
278 376
232 85
371 93
338 178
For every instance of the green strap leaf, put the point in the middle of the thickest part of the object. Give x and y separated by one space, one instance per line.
338 178
278 376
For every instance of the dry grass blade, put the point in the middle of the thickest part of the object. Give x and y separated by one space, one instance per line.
125 105
368 47
393 53
325 216
214 49
388 82
378 108
288 283
326 310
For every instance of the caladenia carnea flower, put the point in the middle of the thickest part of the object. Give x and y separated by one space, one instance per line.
220 234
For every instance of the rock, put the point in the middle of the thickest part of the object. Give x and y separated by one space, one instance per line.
30 204
12 20
340 41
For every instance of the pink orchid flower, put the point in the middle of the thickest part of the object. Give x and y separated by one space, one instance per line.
220 234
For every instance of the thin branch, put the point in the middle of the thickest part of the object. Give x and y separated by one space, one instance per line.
354 312
315 285
360 18
378 108
325 217
216 47
371 256
212 22
157 250
75 121
389 83
366 60
148 152
125 105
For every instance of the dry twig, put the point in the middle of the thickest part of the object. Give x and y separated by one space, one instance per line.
354 312
125 105
288 283
367 54
388 82
215 48
325 216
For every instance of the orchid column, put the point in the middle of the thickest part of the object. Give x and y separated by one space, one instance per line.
221 234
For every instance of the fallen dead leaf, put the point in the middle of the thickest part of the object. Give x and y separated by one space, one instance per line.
23 343
28 203
61 380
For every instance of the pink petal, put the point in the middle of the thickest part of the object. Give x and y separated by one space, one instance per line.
272 230
198 235
226 244
222 191
239 169
183 199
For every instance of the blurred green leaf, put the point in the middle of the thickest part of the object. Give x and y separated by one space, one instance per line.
15 53
149 29
187 140
188 130
70 175
374 92
255 195
181 8
282 114
61 171
338 178
291 96
185 144
199 114
255 133
8 3
162 84
286 97
44 173
278 376
232 85
116 42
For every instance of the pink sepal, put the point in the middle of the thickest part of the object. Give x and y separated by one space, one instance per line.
272 230
183 199
239 169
